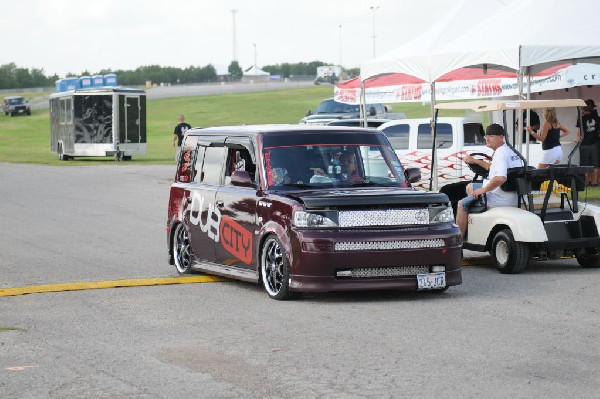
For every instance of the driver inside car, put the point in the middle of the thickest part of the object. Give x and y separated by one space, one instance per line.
502 159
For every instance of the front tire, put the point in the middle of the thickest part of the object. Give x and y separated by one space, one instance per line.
275 270
510 256
181 250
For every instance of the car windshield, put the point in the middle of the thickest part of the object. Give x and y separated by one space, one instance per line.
333 107
16 101
322 166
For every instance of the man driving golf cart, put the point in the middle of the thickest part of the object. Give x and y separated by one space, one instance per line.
544 219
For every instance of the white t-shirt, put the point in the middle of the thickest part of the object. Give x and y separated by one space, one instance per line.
504 157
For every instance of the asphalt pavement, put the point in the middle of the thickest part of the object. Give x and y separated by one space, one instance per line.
495 336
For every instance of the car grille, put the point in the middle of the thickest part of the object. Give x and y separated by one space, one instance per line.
380 272
389 245
383 217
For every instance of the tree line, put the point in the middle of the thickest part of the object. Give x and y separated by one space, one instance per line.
14 77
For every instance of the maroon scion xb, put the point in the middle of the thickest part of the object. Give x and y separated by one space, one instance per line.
301 209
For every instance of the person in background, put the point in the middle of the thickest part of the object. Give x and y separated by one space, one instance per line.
350 171
590 103
535 125
503 159
178 134
588 151
550 136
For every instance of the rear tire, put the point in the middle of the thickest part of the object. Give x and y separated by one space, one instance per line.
510 256
181 250
589 260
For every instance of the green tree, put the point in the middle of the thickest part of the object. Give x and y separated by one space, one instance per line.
235 71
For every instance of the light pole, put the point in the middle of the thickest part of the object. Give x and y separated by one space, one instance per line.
374 8
255 68
234 36
340 45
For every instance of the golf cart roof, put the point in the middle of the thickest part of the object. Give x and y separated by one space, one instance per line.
499 105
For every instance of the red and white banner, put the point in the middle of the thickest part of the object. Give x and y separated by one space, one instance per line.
464 84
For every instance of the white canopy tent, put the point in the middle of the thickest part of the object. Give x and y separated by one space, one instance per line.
526 33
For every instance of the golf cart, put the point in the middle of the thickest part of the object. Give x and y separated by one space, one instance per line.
548 221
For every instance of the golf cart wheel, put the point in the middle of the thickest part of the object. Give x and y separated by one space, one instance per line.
510 256
181 250
589 260
275 270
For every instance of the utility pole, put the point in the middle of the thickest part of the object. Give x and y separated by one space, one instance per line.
234 36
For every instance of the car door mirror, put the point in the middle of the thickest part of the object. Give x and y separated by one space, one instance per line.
308 113
413 175
241 178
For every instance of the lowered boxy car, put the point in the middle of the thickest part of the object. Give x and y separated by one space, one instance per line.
15 105
300 209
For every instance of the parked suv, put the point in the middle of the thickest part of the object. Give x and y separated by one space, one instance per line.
15 105
303 209
331 110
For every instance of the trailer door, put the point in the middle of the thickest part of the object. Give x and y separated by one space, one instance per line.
132 132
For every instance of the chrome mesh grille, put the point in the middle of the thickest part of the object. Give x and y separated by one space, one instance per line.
376 272
388 245
383 217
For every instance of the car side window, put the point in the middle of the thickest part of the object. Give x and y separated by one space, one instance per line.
185 169
443 139
212 168
398 136
239 159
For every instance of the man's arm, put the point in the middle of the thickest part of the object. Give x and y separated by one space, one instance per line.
493 184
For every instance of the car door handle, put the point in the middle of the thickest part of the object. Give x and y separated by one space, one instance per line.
220 204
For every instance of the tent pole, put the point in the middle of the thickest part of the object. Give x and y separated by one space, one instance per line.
527 139
363 104
433 179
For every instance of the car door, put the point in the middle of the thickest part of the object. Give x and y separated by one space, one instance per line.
202 217
238 207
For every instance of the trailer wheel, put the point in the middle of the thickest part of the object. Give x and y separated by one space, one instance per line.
61 155
510 256
589 260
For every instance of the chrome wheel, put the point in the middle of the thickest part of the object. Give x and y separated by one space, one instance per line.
181 250
274 270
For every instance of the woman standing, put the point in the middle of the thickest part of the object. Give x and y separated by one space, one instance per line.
550 136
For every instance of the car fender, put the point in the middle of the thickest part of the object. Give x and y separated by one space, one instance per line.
525 226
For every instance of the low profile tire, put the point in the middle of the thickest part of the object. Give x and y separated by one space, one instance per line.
589 260
275 270
510 256
181 250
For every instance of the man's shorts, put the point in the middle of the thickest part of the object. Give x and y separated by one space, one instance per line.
469 200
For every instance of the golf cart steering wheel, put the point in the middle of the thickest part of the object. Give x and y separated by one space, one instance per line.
477 169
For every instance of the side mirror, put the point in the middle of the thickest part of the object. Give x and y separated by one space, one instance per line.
413 175
387 108
372 111
241 178
308 113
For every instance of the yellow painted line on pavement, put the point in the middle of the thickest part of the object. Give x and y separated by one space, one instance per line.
483 260
94 285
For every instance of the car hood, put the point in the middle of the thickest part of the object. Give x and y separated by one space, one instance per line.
371 196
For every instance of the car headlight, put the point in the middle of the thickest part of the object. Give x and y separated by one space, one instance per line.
443 216
307 219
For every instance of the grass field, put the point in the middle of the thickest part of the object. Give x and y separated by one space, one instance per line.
26 139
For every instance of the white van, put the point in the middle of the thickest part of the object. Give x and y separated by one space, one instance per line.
456 137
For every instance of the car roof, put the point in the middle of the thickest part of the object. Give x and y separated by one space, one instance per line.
500 105
11 97
255 130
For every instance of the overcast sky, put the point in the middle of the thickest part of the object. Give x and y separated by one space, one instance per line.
64 36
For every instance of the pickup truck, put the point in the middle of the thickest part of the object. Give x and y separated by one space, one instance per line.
331 110
456 137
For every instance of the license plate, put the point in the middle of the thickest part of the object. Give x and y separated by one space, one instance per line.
21 111
431 281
